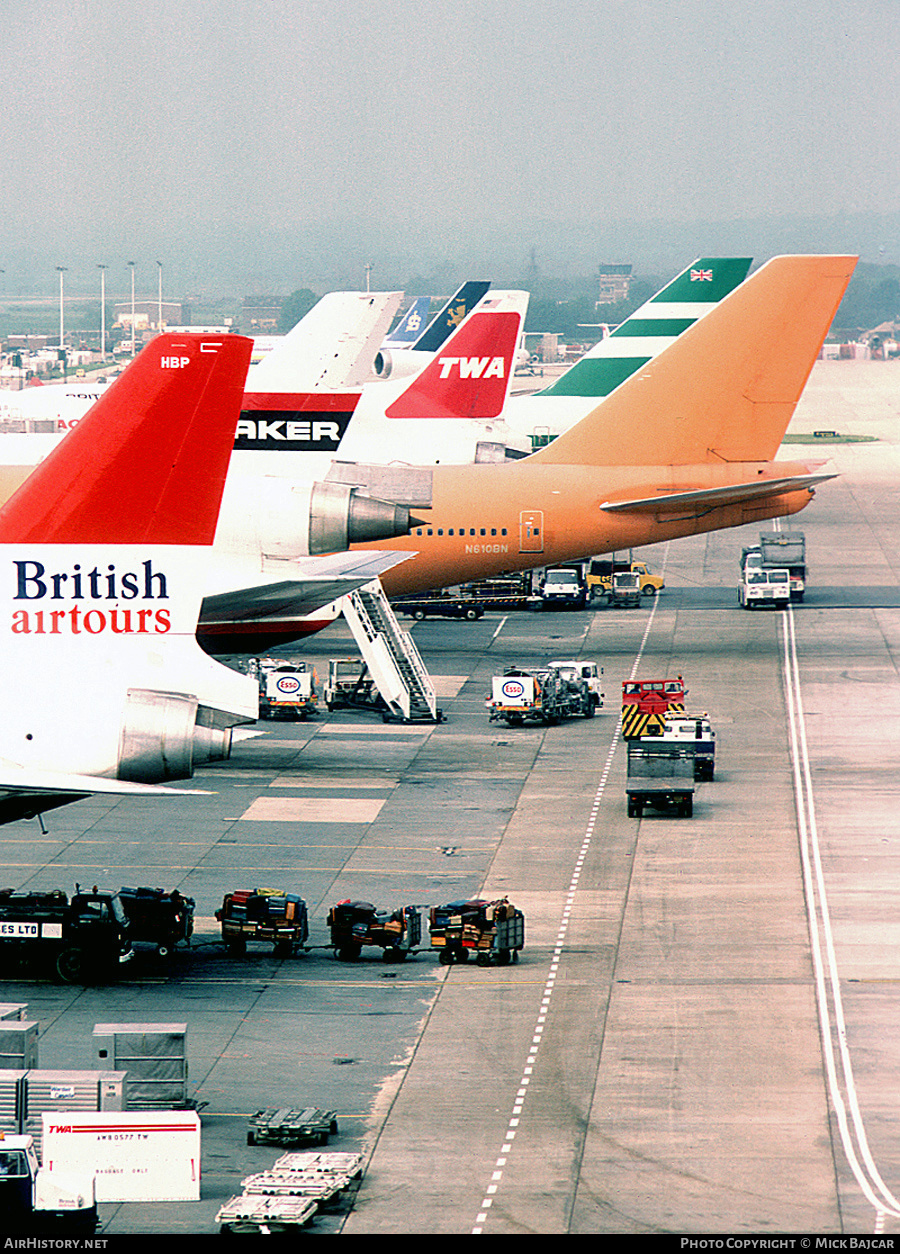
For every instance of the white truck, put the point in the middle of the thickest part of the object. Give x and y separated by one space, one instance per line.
34 1200
563 586
778 550
764 587
589 672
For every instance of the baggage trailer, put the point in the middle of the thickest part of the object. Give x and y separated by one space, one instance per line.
625 592
661 775
492 931
84 940
350 684
441 604
259 1214
288 1125
158 917
354 924
263 914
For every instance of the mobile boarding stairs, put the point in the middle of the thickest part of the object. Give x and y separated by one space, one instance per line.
390 654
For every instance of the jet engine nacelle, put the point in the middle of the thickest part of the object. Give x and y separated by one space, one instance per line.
165 735
280 518
397 363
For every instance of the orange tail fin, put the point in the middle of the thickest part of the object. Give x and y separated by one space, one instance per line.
726 389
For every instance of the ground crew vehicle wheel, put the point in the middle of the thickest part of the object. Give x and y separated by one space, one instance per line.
418 615
589 707
236 947
71 965
393 954
472 615
648 590
348 952
283 949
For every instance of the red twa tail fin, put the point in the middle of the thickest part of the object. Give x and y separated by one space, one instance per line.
469 376
147 463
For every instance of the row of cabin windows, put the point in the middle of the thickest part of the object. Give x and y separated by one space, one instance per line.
462 531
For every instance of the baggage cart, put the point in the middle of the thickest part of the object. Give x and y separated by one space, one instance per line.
158 917
287 1125
255 1213
491 931
263 914
354 924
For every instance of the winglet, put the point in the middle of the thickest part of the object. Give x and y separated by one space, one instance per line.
126 474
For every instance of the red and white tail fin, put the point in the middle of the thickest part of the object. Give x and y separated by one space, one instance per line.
147 463
104 553
470 376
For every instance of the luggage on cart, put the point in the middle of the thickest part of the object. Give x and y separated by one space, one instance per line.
492 931
158 917
354 924
264 914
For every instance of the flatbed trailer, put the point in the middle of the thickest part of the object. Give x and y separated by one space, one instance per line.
260 1214
443 606
290 1125
660 775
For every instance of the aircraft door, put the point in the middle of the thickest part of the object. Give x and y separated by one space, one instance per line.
531 531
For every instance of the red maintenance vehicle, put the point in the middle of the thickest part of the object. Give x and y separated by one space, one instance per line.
645 703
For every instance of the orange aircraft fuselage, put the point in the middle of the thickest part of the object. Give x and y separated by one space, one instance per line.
489 519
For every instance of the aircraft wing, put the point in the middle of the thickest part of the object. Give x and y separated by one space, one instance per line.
310 585
26 792
711 498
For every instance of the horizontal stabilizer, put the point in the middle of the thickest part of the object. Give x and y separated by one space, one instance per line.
712 498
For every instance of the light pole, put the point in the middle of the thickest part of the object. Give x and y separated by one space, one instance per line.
62 333
159 325
131 263
102 270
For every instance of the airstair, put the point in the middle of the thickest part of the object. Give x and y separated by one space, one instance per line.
391 656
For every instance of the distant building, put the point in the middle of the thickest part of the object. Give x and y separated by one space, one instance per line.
258 316
146 314
614 283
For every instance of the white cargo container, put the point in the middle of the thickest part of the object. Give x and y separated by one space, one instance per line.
134 1156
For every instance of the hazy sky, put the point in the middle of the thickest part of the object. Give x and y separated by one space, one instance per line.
294 140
